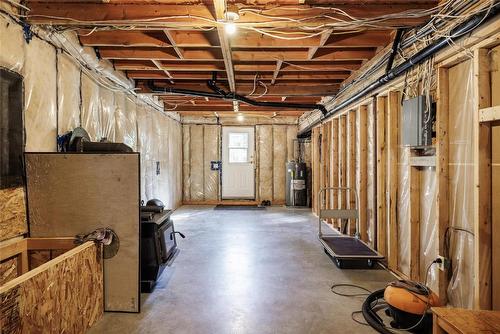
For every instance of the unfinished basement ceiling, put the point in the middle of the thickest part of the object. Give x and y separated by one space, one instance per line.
292 51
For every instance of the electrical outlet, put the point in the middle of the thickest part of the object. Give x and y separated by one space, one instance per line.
443 264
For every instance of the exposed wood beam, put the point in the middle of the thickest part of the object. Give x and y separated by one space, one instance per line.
322 41
244 89
314 67
160 67
172 42
199 15
220 8
279 62
252 55
208 39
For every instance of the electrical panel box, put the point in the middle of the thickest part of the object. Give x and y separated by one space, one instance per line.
416 122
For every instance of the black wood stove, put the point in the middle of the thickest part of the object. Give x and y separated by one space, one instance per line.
158 243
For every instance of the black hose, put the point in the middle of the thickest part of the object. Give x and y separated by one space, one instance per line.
371 316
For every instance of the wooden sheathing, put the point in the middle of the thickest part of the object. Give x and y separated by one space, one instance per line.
64 295
381 149
482 183
442 172
392 130
361 169
334 166
12 213
342 145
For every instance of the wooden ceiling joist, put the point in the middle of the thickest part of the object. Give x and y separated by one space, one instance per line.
302 52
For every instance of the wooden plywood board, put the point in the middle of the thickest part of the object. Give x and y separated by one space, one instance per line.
211 142
196 163
12 213
64 295
265 163
279 160
77 193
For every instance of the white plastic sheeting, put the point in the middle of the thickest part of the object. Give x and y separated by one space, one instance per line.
404 211
59 95
461 184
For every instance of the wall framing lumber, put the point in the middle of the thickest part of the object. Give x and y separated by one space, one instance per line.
315 143
442 172
361 169
351 166
393 175
381 176
414 202
334 166
482 181
342 145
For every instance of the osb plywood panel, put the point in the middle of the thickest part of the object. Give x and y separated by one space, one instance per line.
186 162
64 295
12 213
196 155
8 270
77 193
279 160
210 153
265 145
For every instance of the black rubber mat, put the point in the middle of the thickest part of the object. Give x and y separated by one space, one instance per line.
239 207
348 247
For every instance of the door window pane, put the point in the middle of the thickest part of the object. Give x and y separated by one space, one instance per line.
238 140
238 155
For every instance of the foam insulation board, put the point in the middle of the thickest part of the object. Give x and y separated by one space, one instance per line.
11 38
211 153
68 97
197 163
40 85
279 160
265 145
186 162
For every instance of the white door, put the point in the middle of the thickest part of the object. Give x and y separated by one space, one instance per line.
238 176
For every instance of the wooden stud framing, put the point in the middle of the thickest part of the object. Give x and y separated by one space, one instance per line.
351 164
442 172
334 165
482 182
315 157
172 42
381 176
361 169
392 129
414 240
342 145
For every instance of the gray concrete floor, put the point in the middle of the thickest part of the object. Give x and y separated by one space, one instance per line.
248 272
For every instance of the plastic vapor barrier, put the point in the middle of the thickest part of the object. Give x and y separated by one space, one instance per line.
461 185
265 154
428 227
197 177
279 160
186 162
68 97
59 95
211 153
404 211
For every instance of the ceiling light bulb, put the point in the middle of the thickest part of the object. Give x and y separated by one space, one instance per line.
230 28
240 117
